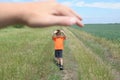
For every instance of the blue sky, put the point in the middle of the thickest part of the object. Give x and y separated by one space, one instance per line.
92 11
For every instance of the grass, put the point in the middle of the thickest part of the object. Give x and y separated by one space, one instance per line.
91 67
27 54
103 46
107 31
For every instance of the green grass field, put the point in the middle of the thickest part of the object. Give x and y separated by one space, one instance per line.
108 31
27 54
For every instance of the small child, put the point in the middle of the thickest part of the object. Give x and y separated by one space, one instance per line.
58 38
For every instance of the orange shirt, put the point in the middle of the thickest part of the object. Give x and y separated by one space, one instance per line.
58 42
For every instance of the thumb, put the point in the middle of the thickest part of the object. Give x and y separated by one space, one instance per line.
65 21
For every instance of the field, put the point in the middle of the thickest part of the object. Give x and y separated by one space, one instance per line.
108 31
27 54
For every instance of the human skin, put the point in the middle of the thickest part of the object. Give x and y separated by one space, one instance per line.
38 14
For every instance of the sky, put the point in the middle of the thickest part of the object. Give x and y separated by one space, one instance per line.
92 11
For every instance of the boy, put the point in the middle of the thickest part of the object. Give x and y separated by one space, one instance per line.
58 38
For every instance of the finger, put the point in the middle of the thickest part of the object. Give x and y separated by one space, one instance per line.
73 12
54 20
79 23
65 21
77 15
64 10
70 21
51 21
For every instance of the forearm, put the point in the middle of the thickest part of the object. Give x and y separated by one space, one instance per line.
53 37
63 34
10 13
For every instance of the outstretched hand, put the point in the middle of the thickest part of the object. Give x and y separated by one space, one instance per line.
41 14
51 13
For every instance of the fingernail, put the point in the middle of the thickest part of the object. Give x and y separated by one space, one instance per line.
72 21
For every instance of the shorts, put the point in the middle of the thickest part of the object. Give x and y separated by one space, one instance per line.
58 53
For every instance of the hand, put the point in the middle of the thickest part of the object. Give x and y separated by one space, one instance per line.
38 14
62 31
55 32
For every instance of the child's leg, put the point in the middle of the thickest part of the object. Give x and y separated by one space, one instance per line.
61 61
61 64
56 57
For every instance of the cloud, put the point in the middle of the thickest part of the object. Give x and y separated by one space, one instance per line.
68 3
99 5
108 5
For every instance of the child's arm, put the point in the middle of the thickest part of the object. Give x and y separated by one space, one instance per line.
63 33
54 34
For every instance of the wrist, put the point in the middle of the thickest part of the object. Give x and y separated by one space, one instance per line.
10 13
26 12
20 13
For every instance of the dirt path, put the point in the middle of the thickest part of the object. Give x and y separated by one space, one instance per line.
88 61
112 72
71 68
70 71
